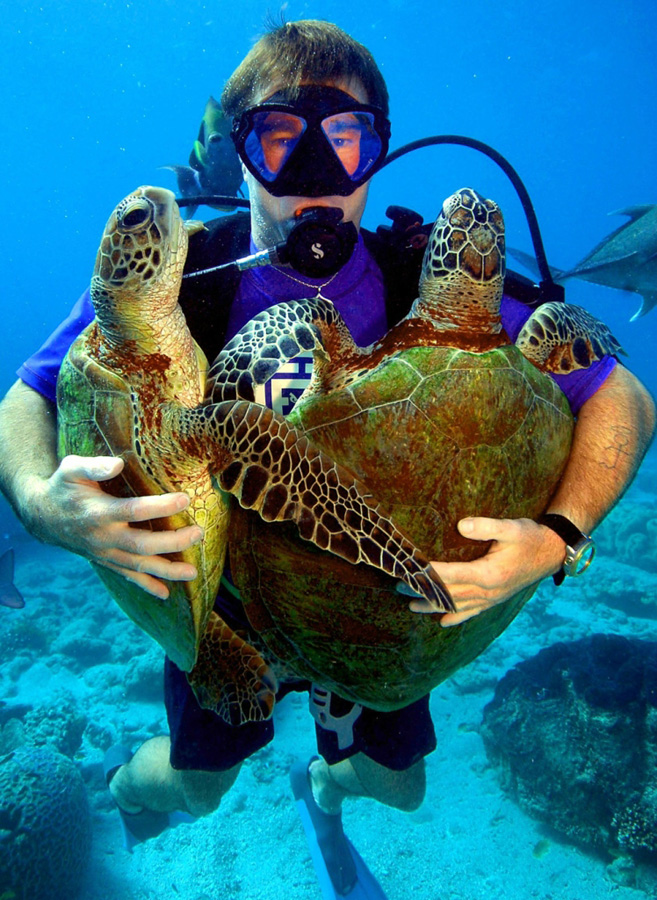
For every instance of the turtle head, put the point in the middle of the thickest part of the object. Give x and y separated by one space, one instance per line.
143 237
464 264
139 265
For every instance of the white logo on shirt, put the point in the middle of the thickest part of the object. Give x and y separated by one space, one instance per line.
282 391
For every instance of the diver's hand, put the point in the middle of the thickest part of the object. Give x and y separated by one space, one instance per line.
522 553
71 509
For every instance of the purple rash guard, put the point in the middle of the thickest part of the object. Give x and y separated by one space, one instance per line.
357 292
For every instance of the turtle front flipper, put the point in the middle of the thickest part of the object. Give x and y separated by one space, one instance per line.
561 337
271 339
275 470
230 676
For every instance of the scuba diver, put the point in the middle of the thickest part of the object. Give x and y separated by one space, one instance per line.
310 113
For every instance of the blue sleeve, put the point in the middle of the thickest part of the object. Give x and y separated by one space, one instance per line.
40 370
578 386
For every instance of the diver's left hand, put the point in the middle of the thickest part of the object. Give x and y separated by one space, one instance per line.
522 553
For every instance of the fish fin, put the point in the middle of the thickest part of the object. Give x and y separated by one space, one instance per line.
188 184
10 596
634 212
529 262
7 565
176 169
648 301
198 158
584 268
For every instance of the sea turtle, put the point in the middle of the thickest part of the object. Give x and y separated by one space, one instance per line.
443 418
132 386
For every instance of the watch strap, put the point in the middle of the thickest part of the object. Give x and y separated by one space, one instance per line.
562 526
568 533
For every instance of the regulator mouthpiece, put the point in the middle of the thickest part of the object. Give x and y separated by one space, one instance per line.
319 244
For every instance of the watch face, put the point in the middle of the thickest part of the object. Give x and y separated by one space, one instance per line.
579 557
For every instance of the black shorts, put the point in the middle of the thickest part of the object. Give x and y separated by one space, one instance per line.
201 740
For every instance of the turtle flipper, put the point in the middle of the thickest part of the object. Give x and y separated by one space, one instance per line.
561 337
230 676
271 339
275 470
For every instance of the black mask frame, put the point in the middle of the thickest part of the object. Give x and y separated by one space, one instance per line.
312 168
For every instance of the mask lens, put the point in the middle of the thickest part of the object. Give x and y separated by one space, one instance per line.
353 139
272 138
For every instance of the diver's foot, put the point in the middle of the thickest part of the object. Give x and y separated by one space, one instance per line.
340 869
327 794
324 832
136 826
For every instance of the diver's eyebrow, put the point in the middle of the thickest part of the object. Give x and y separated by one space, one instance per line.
288 125
343 124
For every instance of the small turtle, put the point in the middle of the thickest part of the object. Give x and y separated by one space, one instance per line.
132 386
443 418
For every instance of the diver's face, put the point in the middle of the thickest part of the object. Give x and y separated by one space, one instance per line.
272 218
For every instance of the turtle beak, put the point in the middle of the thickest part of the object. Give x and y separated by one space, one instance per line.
166 212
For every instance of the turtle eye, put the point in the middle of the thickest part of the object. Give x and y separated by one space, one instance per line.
137 216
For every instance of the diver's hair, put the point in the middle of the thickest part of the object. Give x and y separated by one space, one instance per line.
308 51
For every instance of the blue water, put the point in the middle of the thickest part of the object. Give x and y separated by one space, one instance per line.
97 95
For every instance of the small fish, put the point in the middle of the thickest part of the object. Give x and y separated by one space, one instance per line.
214 166
9 595
626 259
541 848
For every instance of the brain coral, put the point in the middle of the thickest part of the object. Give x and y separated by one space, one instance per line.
572 733
45 825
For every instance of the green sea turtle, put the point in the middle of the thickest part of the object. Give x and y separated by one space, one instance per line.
445 417
132 386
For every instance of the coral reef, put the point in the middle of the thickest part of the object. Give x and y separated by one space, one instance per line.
630 534
57 724
572 733
45 825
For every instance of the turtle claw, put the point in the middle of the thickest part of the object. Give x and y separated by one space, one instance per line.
433 596
231 677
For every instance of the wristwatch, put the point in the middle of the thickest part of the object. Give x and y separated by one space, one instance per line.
580 548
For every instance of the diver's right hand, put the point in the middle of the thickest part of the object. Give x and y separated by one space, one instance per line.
71 509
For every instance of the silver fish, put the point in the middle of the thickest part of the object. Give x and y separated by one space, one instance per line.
626 259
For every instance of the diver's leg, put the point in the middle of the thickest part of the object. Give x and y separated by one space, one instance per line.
346 736
360 776
148 781
186 772
367 753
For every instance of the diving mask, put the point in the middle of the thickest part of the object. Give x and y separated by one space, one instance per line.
322 144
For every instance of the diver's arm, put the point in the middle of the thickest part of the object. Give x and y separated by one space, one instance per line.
613 431
64 504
